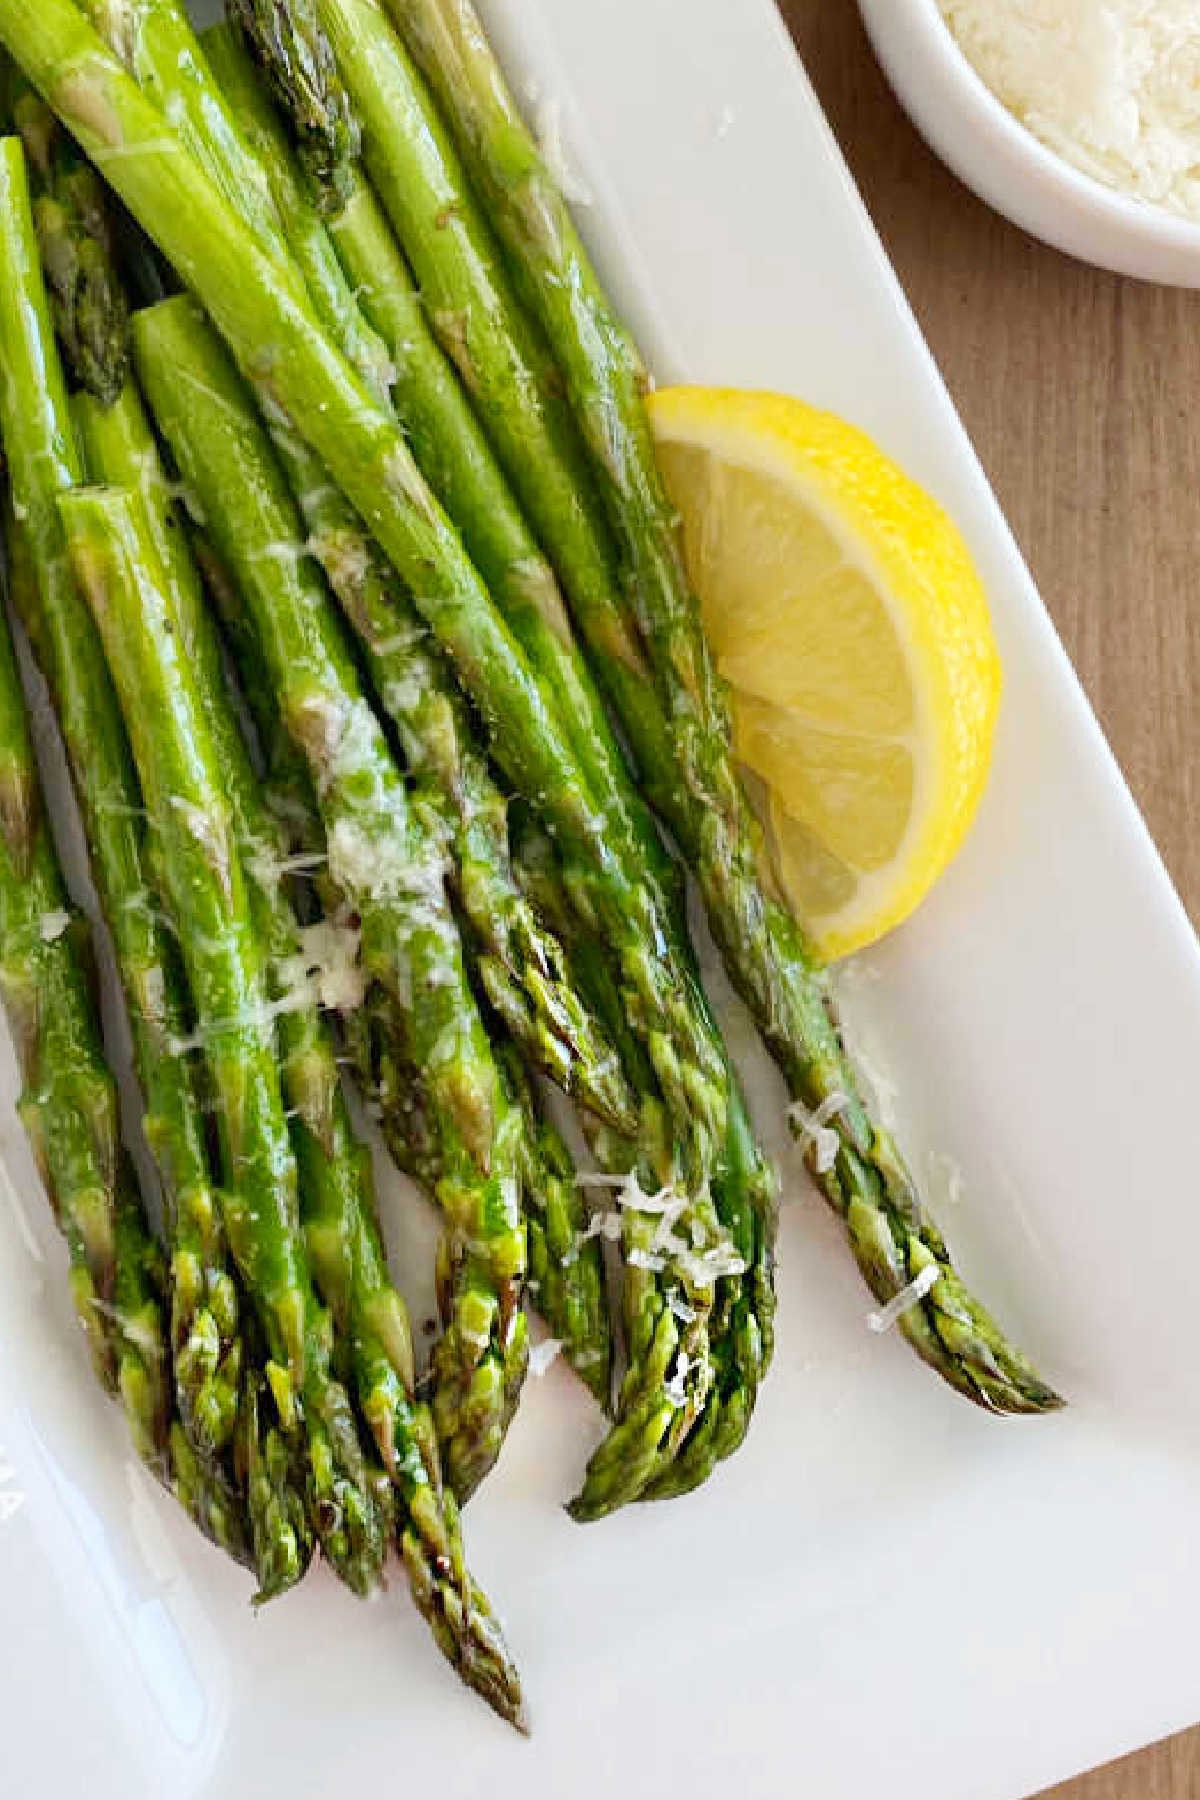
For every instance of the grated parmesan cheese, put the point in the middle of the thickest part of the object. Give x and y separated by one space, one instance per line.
326 967
1112 86
815 1129
699 1264
905 1300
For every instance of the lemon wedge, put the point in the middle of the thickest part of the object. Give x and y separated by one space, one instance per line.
846 614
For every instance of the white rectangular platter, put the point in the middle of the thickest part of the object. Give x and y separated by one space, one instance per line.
885 1593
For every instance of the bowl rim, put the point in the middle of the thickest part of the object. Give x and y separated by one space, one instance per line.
1145 217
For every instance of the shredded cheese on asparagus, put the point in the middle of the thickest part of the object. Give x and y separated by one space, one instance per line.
815 1128
904 1302
702 1265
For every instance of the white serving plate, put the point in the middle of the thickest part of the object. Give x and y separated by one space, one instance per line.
885 1593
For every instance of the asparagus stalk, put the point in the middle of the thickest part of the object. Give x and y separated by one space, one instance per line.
336 1193
69 1106
383 859
269 1469
69 1109
697 787
566 1268
519 961
461 462
658 1300
567 1275
119 568
43 457
119 449
77 246
327 130
206 1339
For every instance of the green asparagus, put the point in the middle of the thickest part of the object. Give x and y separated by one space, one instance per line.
696 784
37 430
119 568
69 1109
456 459
532 604
257 309
739 1316
567 1276
156 42
69 1104
289 37
197 398
458 463
566 1268
75 235
518 959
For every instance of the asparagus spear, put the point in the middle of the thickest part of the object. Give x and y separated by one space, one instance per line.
520 959
43 458
567 1275
531 601
196 405
658 1300
69 1109
208 1351
566 1268
76 240
69 1104
327 130
382 857
119 568
697 786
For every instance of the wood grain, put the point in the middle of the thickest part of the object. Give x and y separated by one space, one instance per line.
1079 390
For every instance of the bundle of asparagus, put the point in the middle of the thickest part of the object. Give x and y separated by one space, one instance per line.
408 432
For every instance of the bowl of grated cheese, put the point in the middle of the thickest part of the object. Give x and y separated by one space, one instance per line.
1079 120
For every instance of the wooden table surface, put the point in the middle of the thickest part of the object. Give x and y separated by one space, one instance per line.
1077 388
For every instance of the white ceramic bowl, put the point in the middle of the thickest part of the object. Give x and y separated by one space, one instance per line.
1007 166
